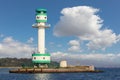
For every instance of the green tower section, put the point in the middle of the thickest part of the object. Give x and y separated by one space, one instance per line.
41 15
41 58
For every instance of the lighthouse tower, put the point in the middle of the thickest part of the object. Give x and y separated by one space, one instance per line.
41 57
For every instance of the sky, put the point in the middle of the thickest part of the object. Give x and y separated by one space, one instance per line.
83 32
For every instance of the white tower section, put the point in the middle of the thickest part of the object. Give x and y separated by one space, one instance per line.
41 38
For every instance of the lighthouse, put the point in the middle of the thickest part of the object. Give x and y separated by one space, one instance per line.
41 58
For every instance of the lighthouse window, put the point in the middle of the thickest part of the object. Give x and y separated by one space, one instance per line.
45 17
44 11
34 57
38 11
38 17
43 57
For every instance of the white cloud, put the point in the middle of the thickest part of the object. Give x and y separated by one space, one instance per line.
30 40
74 43
105 39
59 45
1 35
84 23
52 44
98 59
13 48
74 49
78 21
74 46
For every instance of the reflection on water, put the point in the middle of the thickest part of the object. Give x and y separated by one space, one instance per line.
42 76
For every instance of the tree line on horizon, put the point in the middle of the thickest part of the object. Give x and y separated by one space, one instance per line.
19 62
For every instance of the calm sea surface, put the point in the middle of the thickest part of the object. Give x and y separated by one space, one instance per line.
109 74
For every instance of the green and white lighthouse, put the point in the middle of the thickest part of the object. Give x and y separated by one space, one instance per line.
41 58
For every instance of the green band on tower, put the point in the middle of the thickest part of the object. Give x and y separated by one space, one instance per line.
41 15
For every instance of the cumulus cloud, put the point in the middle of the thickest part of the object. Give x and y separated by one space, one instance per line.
74 46
1 35
10 47
78 21
30 40
98 59
84 23
105 39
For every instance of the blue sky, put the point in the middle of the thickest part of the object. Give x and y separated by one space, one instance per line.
17 17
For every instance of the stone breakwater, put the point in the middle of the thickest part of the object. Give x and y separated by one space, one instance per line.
55 70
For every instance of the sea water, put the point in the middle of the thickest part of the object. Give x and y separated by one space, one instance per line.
108 74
